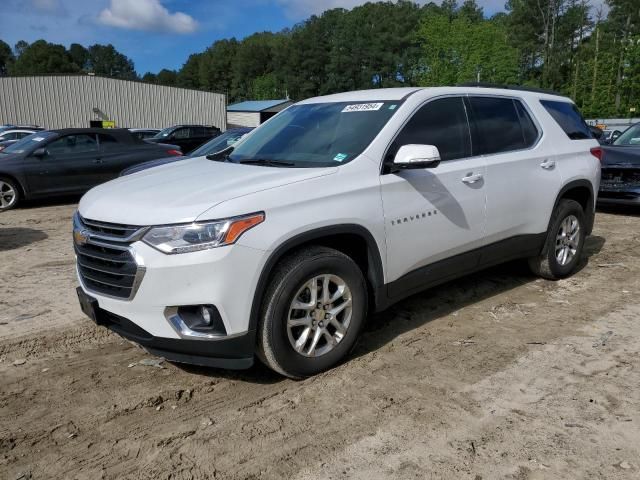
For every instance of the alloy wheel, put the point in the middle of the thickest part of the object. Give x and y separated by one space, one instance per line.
567 240
8 196
319 315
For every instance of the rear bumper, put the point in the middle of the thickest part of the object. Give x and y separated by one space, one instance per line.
235 352
619 197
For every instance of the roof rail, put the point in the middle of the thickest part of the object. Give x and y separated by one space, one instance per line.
510 87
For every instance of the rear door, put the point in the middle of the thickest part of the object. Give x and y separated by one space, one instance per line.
70 165
522 178
437 213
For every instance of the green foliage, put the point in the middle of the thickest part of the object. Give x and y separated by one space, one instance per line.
6 58
465 49
106 60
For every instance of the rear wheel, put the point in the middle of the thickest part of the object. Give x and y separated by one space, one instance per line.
9 194
565 241
313 311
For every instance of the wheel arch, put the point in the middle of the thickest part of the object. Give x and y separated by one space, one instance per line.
23 191
582 192
347 238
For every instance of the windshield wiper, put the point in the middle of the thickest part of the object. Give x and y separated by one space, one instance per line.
267 162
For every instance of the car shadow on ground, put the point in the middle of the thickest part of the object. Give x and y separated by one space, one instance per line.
17 237
416 311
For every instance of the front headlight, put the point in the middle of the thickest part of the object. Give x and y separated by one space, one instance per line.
200 236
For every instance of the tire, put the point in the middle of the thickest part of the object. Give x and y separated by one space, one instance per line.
282 326
550 264
9 194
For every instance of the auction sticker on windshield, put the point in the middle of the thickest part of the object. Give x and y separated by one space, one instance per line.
362 107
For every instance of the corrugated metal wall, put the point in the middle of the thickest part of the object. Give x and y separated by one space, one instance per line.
244 119
69 101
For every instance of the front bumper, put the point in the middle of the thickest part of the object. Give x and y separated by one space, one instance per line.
232 352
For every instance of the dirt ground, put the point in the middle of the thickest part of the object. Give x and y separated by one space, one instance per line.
499 375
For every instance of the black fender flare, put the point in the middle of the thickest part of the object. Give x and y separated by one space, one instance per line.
375 274
590 214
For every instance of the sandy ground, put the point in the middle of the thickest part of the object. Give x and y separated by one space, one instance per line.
499 375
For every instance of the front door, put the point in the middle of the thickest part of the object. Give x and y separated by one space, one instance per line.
70 165
437 213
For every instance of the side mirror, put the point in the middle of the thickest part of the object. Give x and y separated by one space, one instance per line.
615 135
417 156
40 152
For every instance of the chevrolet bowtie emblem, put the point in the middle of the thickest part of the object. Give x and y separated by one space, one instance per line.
80 237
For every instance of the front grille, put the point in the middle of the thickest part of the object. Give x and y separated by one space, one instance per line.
110 230
105 263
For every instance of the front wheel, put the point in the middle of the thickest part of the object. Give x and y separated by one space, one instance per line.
9 194
565 241
313 311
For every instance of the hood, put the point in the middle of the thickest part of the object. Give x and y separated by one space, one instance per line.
621 155
179 192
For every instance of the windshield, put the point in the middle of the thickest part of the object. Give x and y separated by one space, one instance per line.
27 143
631 136
316 135
164 133
219 143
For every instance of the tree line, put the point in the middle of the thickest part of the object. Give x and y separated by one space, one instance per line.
562 45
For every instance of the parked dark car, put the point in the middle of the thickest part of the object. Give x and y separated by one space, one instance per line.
620 181
610 136
187 137
219 143
144 133
70 161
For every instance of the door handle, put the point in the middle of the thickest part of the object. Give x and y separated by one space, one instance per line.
548 164
471 179
98 160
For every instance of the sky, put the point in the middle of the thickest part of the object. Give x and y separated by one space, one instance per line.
159 34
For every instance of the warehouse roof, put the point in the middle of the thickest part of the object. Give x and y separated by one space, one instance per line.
255 105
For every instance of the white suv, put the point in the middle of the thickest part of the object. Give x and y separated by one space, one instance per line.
338 206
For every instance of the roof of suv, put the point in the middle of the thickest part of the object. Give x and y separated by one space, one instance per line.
398 94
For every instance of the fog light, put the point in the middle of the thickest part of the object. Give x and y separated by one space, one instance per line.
205 313
202 318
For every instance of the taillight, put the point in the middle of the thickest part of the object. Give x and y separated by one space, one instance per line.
174 152
597 152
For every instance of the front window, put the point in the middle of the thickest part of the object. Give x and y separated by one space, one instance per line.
28 143
165 133
316 135
219 143
631 136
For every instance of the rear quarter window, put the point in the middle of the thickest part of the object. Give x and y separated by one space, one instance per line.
501 125
568 118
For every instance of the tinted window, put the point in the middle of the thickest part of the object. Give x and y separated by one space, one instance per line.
72 144
107 141
497 126
211 131
529 129
20 135
182 133
9 136
569 118
442 123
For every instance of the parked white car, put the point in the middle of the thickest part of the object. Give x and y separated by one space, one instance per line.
337 207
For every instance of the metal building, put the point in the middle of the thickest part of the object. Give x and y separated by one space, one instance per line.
75 100
254 112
